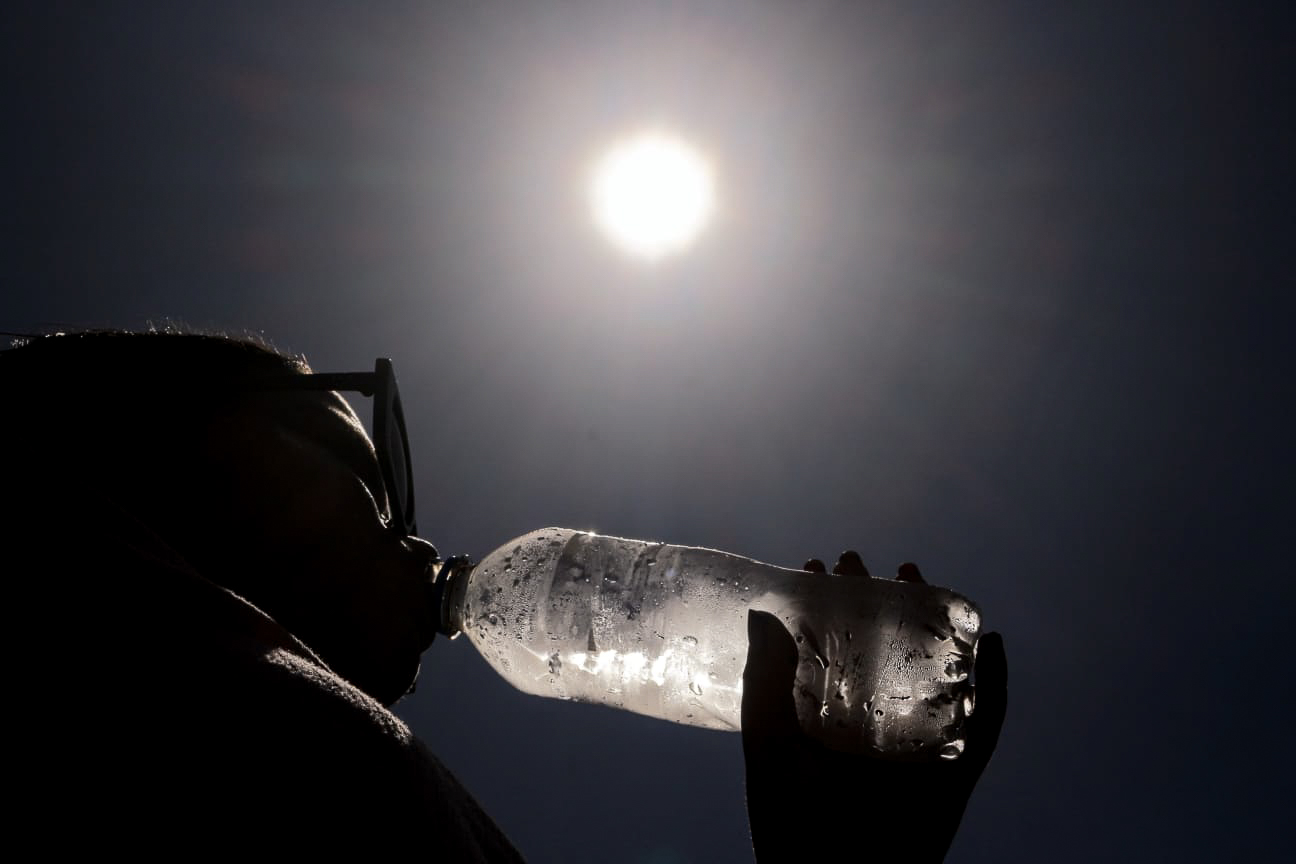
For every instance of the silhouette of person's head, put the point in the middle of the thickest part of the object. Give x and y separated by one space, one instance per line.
275 495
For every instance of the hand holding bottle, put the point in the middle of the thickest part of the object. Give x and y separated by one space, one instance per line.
804 799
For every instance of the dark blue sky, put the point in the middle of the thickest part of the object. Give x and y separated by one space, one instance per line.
1002 289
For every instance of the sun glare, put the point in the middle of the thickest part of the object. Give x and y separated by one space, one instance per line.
652 194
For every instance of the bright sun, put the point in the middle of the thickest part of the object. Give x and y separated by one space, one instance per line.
652 194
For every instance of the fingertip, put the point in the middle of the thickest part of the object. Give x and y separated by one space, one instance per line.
909 572
814 565
849 563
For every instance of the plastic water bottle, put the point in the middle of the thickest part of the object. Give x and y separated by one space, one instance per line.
662 630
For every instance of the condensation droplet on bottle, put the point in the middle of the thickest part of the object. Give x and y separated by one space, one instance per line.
696 688
690 641
952 750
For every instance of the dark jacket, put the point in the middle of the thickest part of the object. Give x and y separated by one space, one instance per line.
158 712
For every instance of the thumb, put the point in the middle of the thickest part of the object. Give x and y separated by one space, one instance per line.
984 723
768 706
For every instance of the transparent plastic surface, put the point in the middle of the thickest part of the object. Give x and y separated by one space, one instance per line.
662 630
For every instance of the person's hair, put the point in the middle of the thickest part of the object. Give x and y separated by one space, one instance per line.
95 390
138 357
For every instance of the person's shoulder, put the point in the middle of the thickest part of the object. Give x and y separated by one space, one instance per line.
339 757
150 698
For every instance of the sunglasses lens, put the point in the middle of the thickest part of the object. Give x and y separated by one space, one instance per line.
400 471
403 481
393 449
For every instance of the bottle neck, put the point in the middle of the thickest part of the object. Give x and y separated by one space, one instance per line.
448 587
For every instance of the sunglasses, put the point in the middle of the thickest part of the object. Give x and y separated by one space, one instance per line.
390 439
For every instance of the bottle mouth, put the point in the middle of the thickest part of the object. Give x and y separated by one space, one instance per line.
447 579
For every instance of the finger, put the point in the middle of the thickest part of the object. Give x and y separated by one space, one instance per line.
908 572
771 737
850 564
768 706
814 565
985 723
